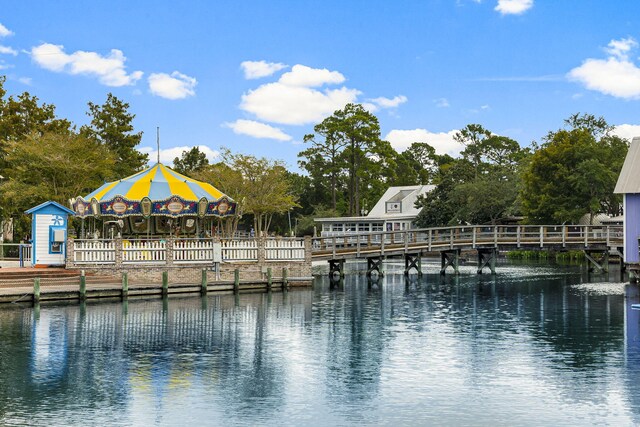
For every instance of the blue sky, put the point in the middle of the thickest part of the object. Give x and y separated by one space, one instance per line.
256 76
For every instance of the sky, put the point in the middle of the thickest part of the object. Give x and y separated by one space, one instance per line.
255 77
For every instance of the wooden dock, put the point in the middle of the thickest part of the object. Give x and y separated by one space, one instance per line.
37 285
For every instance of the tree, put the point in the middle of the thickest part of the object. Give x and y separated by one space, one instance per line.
416 165
574 173
190 161
324 155
259 186
478 188
51 166
22 115
350 148
112 126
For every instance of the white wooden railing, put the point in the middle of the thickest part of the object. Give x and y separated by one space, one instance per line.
289 249
442 238
240 250
193 252
144 251
185 251
94 252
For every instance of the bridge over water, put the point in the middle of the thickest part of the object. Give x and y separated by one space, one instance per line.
596 241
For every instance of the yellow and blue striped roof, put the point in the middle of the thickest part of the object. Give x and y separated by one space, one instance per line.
157 183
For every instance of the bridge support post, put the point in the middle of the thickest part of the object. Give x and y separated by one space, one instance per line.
487 257
336 266
597 260
412 261
450 258
374 264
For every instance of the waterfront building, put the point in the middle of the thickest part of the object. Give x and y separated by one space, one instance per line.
629 186
395 211
49 234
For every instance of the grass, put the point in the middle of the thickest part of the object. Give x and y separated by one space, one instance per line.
565 256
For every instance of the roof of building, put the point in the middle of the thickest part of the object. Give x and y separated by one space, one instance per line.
403 198
49 207
406 196
629 179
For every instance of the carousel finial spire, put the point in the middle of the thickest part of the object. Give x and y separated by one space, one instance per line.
158 141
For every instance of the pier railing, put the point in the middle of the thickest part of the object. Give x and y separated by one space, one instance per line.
184 251
469 237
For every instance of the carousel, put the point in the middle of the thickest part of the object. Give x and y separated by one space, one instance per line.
157 201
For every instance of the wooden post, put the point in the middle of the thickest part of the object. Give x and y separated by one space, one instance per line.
36 290
165 283
285 280
125 284
236 281
269 280
83 286
203 282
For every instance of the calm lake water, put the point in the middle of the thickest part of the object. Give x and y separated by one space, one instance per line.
534 345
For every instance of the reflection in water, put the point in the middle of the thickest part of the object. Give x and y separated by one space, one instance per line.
523 347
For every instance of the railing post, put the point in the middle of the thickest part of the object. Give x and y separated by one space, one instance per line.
474 237
541 236
586 236
495 236
430 236
119 253
285 280
406 241
564 236
608 240
333 245
236 281
169 255
451 238
518 235
383 237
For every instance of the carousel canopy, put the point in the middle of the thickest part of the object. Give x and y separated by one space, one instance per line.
157 190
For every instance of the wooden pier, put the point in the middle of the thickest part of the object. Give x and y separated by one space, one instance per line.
596 241
37 285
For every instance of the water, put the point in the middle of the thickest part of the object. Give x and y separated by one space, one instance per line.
532 346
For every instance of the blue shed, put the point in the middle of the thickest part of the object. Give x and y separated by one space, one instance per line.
629 186
49 234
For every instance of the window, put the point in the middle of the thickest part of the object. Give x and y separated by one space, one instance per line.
336 227
363 227
351 227
376 227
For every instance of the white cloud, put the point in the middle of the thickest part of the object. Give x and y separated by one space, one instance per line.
443 142
4 31
621 48
25 80
168 154
4 65
174 86
258 69
513 7
442 102
616 76
257 130
110 69
8 51
627 131
295 105
383 102
301 75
